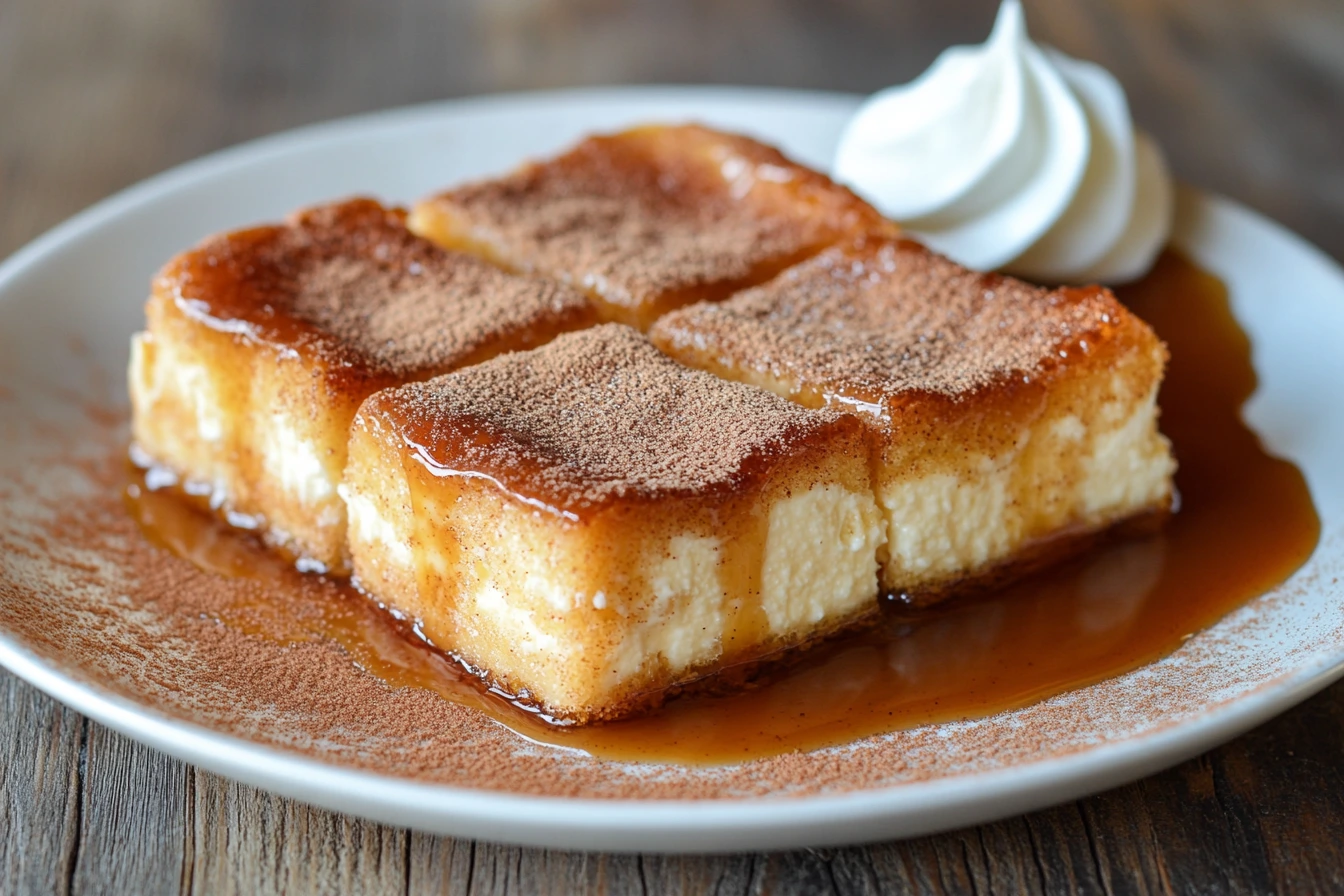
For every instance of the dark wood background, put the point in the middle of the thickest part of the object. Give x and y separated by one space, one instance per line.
1247 97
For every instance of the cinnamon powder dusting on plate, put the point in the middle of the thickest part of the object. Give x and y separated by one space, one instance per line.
82 588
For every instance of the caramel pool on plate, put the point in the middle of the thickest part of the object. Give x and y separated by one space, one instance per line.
1245 523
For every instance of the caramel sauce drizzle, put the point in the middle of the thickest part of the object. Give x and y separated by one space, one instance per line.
1246 522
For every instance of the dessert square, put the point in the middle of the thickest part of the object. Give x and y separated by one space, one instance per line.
1008 420
652 218
591 523
261 344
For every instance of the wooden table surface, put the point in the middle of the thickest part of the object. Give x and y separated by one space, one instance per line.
1247 96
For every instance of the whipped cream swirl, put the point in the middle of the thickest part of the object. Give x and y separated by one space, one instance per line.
1014 156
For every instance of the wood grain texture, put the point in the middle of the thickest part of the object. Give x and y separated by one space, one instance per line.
1247 98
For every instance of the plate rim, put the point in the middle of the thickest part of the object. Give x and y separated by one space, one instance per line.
700 825
625 824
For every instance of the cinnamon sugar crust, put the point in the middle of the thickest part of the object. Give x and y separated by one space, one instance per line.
875 324
653 218
600 416
349 284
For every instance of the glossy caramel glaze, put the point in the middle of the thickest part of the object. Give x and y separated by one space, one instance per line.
1246 521
348 287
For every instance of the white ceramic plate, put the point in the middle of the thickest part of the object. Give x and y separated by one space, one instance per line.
86 281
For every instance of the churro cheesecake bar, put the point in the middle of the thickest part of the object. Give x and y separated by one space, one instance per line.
1006 420
590 523
651 219
261 344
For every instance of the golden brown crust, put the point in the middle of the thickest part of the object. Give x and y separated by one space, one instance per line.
597 417
348 285
880 325
652 218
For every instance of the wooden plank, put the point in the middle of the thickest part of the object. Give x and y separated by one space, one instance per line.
1119 833
41 748
247 841
133 830
720 875
1283 786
